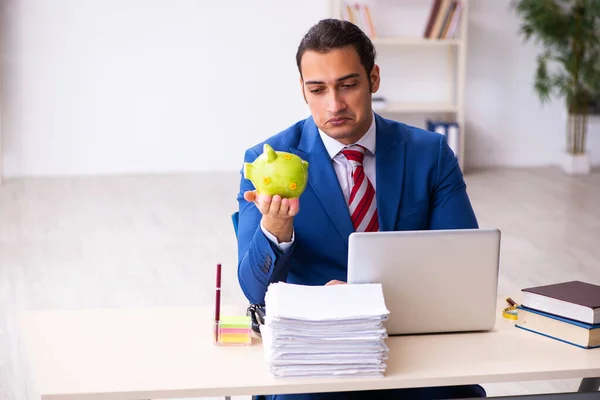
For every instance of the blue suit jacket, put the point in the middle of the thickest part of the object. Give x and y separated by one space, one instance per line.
419 186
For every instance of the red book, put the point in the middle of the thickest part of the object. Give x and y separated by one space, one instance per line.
435 7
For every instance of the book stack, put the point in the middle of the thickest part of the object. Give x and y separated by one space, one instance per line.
325 331
450 130
360 15
444 19
567 311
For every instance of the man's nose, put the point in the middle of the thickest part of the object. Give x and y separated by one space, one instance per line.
335 103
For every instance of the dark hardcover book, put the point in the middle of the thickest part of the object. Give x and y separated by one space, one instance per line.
575 300
435 8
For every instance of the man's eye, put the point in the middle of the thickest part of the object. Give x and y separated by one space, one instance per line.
349 85
315 91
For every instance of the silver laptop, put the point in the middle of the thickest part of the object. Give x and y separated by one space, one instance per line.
433 281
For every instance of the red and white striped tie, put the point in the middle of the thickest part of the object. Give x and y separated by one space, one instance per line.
362 202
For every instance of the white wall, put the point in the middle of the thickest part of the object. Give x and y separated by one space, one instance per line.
507 125
112 86
137 86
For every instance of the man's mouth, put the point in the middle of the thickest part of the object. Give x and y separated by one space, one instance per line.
337 121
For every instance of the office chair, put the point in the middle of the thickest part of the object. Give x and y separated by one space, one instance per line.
235 218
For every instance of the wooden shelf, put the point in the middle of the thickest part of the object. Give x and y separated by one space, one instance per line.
416 107
414 41
396 43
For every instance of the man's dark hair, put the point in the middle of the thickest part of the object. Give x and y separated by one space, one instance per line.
329 34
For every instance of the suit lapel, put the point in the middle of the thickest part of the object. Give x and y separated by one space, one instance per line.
322 178
389 162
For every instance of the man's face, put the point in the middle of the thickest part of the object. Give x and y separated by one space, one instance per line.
336 88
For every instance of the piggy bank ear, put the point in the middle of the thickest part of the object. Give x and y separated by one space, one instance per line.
248 170
271 155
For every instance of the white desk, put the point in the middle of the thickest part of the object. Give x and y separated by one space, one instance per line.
168 353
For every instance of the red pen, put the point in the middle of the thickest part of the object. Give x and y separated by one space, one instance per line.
218 303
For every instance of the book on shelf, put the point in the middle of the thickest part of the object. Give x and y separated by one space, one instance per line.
379 103
450 130
360 15
444 19
443 22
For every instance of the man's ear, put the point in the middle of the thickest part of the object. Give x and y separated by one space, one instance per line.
375 78
302 88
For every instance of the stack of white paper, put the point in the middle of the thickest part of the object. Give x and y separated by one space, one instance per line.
322 331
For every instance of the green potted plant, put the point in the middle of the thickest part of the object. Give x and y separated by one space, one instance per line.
568 65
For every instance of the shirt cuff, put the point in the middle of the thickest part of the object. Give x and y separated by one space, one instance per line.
283 246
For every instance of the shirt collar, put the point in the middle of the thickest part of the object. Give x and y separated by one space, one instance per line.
334 147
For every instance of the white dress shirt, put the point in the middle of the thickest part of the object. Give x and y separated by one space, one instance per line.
342 168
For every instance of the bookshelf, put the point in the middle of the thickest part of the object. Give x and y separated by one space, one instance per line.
413 41
418 107
453 50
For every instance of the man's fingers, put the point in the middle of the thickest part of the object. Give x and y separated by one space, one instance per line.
275 205
284 208
263 203
335 282
294 207
250 196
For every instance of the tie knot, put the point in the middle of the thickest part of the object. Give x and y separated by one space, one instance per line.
354 153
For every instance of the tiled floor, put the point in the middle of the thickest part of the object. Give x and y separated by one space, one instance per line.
154 240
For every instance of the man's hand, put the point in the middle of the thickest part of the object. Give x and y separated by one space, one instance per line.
277 214
335 282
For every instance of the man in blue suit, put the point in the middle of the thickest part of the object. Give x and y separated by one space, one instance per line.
365 173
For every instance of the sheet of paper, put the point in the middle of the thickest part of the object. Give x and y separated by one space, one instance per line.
325 303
